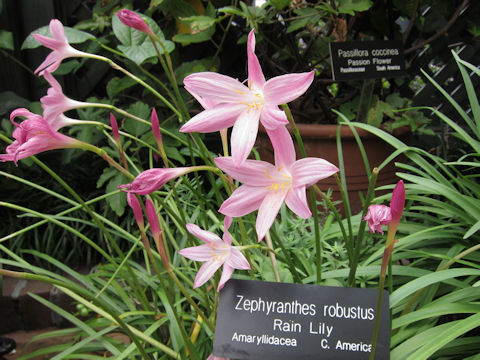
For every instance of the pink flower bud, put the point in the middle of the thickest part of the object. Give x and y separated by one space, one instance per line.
156 127
114 125
133 20
133 202
153 179
152 218
397 204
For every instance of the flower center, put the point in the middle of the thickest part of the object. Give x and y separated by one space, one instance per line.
219 253
254 99
281 180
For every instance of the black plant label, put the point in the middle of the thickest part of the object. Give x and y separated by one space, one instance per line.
356 60
264 320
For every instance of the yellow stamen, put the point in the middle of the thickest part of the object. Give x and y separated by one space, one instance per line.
266 173
238 91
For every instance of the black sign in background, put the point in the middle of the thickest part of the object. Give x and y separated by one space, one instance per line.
357 60
308 345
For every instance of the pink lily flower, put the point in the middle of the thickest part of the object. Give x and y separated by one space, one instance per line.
55 103
33 136
241 106
60 46
133 20
378 215
151 180
266 186
215 253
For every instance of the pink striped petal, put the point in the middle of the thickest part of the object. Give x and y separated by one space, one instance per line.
226 275
204 235
308 171
197 253
205 272
237 260
220 87
256 79
243 201
285 88
283 146
296 201
227 238
244 134
272 117
268 211
214 119
252 172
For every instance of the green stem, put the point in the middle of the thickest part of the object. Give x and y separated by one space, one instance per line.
361 229
273 259
313 199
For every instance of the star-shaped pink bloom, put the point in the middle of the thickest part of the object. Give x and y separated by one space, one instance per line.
55 103
215 253
243 106
34 135
266 186
60 46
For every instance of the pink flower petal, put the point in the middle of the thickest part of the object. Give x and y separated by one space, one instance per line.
237 260
214 119
283 146
197 253
244 134
206 271
378 215
256 79
308 171
222 88
296 201
134 203
243 201
133 20
268 211
226 275
204 235
272 117
57 30
252 172
285 88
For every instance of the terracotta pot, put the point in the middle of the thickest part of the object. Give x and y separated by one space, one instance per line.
320 141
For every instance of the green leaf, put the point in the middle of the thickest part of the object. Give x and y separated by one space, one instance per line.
267 271
9 101
376 112
409 288
201 28
350 6
190 67
117 202
136 45
472 230
280 4
74 36
6 40
134 127
117 85
231 10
